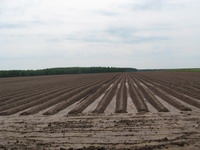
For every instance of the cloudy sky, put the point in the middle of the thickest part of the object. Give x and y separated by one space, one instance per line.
36 34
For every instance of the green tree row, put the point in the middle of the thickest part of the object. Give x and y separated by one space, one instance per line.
60 71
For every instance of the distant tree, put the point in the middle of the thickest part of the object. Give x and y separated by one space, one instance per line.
59 71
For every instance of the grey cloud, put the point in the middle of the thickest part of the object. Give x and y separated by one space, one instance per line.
140 39
11 25
155 5
148 5
120 32
120 35
87 37
127 35
160 27
105 13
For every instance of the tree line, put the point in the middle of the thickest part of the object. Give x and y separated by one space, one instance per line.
61 71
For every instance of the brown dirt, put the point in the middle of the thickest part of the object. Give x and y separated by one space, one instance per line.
110 111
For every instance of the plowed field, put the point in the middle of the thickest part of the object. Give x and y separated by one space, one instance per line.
143 110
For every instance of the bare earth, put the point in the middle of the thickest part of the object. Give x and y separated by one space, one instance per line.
154 110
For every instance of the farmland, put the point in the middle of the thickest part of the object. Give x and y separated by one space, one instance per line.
140 110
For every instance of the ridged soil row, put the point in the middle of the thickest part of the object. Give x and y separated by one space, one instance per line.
194 85
178 87
162 94
107 98
97 92
183 85
181 78
85 93
61 98
30 103
22 88
32 96
136 96
12 103
20 94
31 90
15 93
176 94
187 90
187 85
190 92
121 99
150 97
33 101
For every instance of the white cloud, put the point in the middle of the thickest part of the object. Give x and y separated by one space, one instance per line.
142 34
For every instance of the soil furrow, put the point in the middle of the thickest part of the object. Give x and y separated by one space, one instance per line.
59 99
136 96
180 96
162 94
30 102
186 87
34 95
90 99
75 98
178 87
121 99
27 100
150 97
107 98
36 100
20 95
27 103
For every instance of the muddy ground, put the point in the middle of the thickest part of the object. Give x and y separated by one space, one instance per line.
114 131
154 110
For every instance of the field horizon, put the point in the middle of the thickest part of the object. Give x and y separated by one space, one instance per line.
82 70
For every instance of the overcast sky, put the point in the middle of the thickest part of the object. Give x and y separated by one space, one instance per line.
36 34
